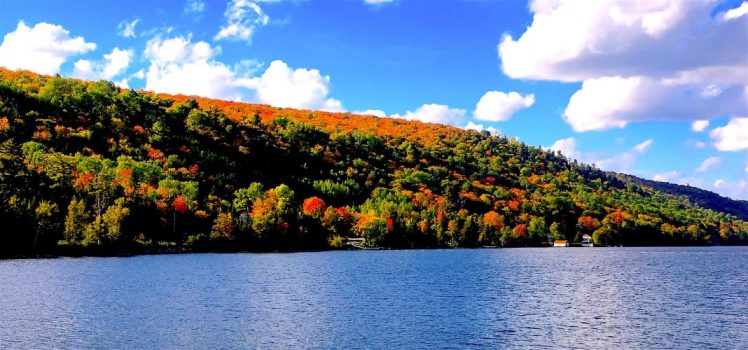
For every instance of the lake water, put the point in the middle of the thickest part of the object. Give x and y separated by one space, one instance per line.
644 298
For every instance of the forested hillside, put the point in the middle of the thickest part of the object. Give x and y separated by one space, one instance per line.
698 196
88 168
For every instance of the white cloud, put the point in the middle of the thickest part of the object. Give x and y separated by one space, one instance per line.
733 189
708 164
623 162
140 74
122 83
643 147
179 66
731 137
567 147
378 2
667 177
613 102
500 106
480 127
699 125
638 60
242 18
375 112
126 29
42 48
620 162
194 6
737 12
112 65
248 66
283 86
435 113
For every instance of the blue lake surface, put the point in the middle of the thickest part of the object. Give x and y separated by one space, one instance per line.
589 298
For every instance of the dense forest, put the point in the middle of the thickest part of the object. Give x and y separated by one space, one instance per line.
89 168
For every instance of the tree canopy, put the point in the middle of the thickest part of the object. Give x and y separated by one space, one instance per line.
89 168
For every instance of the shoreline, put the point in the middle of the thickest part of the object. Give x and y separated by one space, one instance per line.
185 250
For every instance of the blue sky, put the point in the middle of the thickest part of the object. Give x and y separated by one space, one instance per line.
657 88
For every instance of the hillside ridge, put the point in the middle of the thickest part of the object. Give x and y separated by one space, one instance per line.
90 168
703 198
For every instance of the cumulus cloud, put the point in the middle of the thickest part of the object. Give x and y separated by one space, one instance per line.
283 86
567 147
242 18
500 106
375 112
435 113
620 162
709 164
112 65
180 66
42 48
122 83
700 125
610 102
480 127
126 29
731 137
658 59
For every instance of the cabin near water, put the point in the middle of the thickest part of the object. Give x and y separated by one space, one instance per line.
587 241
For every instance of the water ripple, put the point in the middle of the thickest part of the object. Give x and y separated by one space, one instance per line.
663 298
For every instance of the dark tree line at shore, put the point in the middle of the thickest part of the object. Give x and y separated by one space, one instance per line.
89 168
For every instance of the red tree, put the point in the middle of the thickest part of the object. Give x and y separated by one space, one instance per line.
180 204
314 206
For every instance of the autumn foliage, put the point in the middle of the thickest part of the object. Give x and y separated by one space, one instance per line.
87 164
180 204
313 206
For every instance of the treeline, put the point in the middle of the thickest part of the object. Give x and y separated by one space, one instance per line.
88 168
702 198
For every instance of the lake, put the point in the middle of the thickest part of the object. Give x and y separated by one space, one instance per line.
484 298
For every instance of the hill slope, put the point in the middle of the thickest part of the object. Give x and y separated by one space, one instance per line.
86 167
698 196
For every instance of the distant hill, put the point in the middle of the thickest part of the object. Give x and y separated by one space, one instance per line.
701 197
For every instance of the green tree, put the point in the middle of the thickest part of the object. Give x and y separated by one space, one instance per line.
537 230
113 218
45 223
76 221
